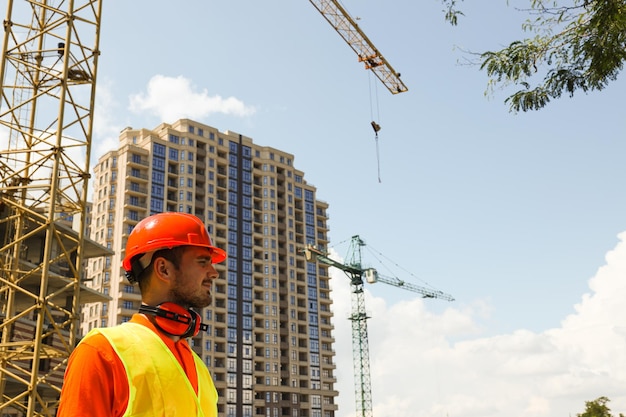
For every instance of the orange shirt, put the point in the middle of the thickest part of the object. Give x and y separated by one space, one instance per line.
95 383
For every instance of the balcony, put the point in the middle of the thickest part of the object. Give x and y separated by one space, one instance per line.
136 202
134 173
137 160
137 189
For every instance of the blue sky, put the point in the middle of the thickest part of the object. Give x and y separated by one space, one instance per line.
518 216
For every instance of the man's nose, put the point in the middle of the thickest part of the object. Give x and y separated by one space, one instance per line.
213 274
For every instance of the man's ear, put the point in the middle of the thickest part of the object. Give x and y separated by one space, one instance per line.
162 269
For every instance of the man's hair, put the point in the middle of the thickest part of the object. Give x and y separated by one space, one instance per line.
174 255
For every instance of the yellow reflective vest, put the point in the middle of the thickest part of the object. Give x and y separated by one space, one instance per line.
158 385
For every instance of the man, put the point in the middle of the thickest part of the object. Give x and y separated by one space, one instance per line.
145 367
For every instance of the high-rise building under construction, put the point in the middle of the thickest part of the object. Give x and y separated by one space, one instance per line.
270 341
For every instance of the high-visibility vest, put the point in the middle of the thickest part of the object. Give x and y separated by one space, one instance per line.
158 385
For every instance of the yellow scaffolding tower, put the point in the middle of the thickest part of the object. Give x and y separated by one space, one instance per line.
48 74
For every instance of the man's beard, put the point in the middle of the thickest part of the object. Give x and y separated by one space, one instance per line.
184 298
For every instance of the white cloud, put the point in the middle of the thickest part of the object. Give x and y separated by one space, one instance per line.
416 370
173 98
105 129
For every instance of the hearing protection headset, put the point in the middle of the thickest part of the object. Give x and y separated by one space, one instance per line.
175 320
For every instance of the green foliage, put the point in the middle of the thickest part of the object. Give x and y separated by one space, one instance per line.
578 45
597 408
451 12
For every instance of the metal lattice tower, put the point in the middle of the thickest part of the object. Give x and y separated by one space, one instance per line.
358 317
360 340
48 74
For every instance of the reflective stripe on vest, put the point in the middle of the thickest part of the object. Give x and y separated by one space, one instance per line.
158 385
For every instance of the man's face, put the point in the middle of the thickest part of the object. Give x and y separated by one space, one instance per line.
194 280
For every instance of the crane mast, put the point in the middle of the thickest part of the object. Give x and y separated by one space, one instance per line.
360 339
358 317
367 53
48 76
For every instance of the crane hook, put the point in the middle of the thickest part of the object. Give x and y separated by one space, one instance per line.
376 127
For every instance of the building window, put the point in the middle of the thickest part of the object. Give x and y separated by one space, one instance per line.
158 149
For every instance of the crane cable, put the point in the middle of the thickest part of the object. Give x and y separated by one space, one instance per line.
375 125
371 250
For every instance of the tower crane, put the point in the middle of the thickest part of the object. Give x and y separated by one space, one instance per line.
340 20
360 343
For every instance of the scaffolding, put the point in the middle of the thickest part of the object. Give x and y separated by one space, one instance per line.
48 74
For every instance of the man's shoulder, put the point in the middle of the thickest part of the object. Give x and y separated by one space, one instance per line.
124 330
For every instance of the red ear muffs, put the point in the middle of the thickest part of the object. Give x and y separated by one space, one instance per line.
175 320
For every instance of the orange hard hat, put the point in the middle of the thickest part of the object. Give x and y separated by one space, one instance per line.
165 231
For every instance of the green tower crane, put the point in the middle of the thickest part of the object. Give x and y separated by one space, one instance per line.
358 317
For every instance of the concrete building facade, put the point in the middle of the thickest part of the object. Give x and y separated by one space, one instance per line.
270 341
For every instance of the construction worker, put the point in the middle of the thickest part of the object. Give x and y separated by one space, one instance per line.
145 367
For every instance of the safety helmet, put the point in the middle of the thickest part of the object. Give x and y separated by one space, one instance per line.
165 231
